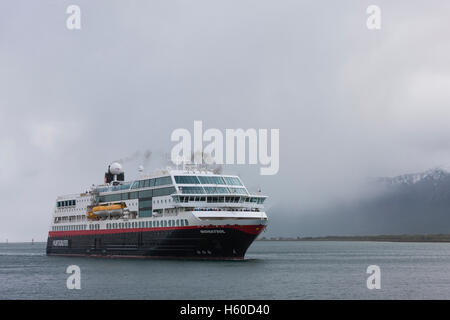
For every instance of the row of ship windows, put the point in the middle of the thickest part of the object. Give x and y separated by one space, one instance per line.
137 195
182 199
126 225
69 218
69 228
66 203
69 204
212 190
227 209
148 224
233 181
162 201
152 182
155 182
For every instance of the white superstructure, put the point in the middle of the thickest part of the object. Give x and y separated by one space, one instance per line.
169 198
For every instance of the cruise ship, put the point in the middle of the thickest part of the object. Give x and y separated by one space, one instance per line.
188 213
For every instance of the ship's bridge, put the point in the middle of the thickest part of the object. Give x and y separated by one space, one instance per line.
205 190
207 184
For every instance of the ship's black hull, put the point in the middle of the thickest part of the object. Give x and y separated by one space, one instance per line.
204 243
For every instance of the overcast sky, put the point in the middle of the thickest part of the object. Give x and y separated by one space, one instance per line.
350 102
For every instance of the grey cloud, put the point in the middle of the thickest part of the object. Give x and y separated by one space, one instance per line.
349 102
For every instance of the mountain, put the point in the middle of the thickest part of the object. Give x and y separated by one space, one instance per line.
432 185
437 175
417 203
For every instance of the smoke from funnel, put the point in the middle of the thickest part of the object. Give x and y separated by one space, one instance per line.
130 158
147 157
142 157
207 162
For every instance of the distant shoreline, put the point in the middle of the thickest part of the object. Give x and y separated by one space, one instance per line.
379 238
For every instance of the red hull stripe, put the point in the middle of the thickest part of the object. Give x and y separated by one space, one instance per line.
251 229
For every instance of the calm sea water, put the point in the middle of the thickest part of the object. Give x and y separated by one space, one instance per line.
272 270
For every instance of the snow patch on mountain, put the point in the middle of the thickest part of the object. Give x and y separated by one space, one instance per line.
435 174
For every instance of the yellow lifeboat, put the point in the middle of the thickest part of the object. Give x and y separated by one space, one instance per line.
105 210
